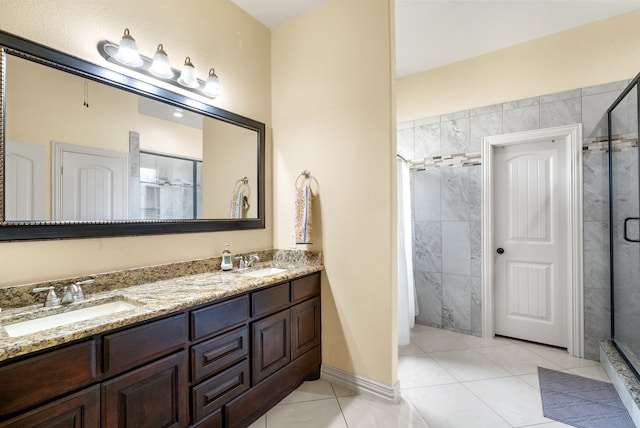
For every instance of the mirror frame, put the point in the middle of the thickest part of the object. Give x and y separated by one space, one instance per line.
49 229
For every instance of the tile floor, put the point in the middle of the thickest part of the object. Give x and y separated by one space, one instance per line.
447 380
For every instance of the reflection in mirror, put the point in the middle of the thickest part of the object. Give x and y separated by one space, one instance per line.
80 150
170 187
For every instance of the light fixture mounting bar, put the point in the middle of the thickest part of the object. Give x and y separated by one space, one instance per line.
108 50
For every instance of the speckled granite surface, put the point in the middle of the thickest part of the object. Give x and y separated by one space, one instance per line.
622 378
155 291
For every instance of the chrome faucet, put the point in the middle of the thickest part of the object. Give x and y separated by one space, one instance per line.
247 263
74 292
252 258
52 299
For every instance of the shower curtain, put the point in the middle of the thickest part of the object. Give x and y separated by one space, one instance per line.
407 307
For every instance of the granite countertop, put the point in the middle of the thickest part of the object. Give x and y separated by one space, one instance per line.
151 300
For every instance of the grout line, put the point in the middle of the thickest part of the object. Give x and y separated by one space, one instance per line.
344 418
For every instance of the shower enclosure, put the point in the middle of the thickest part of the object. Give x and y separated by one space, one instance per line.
624 212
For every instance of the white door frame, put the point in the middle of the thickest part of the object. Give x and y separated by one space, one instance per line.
571 136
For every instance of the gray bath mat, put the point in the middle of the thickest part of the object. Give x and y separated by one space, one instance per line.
581 402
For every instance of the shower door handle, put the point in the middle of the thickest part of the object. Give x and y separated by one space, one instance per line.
626 238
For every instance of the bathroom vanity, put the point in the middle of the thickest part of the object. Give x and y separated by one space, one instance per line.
206 350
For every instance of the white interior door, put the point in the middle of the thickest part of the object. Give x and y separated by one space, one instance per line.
24 185
531 266
89 184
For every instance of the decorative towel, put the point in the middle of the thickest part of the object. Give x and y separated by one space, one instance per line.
304 218
236 210
240 199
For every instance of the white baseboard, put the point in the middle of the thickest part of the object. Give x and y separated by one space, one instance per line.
360 384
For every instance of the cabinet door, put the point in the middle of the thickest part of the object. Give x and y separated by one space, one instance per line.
271 345
305 327
152 396
79 410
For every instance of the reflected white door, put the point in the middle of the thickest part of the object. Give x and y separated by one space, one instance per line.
530 270
24 187
90 184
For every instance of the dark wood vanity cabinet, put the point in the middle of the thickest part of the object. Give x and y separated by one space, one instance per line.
137 376
286 328
218 365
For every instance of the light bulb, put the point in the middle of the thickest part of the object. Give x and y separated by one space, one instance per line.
128 51
212 87
188 77
160 66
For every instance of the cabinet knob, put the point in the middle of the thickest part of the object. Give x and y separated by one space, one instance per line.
500 251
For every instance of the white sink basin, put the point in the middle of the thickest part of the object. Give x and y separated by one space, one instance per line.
52 321
264 272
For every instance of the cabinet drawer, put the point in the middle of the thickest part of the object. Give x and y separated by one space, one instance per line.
216 318
137 345
35 380
306 287
215 354
212 421
211 394
271 300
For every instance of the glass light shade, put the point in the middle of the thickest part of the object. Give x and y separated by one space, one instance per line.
188 77
128 51
212 87
160 66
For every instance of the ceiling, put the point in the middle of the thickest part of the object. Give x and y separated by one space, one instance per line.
433 33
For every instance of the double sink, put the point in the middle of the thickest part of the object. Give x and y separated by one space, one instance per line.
88 310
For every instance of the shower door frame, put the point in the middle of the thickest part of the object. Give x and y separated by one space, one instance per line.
635 83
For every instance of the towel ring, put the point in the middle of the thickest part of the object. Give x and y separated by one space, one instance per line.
306 178
243 184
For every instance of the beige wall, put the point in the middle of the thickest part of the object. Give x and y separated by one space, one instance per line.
332 115
598 53
213 33
47 105
168 137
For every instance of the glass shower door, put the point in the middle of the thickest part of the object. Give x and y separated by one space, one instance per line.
625 224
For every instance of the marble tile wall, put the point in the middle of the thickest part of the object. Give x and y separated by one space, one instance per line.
447 259
446 202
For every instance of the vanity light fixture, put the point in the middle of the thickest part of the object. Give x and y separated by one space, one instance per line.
126 54
160 66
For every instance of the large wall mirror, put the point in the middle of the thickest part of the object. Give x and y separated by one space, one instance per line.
88 152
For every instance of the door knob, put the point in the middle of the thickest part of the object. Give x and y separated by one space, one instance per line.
500 251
